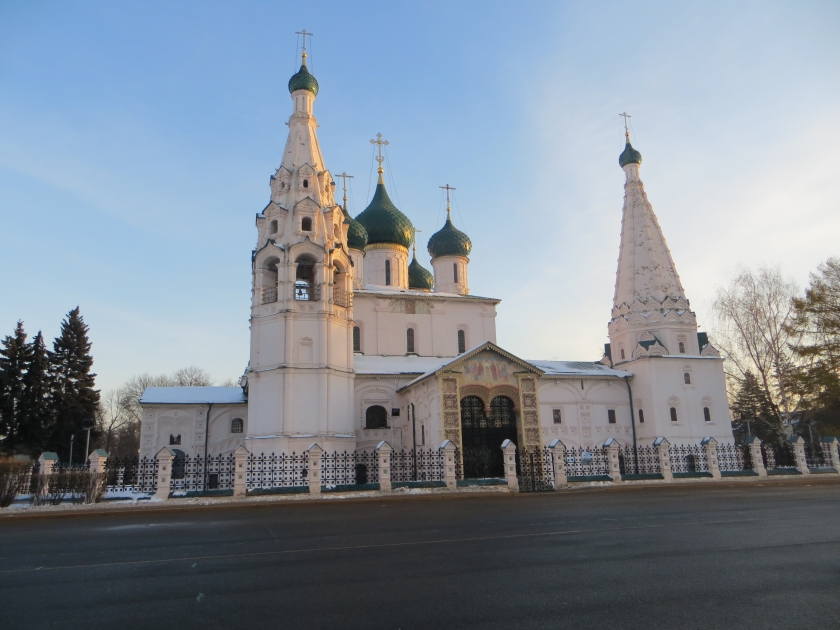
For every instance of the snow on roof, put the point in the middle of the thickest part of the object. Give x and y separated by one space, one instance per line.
576 368
192 395
365 364
375 288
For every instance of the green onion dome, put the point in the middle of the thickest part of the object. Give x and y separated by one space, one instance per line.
419 277
357 236
449 241
629 156
384 222
303 80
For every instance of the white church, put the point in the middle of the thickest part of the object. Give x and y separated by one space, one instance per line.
353 342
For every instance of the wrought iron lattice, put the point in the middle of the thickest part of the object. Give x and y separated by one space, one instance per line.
482 435
688 458
815 455
778 455
644 460
131 474
199 473
419 465
535 470
586 462
277 471
349 469
732 457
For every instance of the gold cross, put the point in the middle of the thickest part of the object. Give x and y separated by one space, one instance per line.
379 143
345 177
447 188
625 115
305 34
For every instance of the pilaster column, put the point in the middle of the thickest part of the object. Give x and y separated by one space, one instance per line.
96 461
47 462
710 444
558 459
449 472
164 472
315 453
798 445
831 447
383 453
662 445
756 456
240 472
611 447
509 455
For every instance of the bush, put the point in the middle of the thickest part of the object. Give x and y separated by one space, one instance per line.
14 475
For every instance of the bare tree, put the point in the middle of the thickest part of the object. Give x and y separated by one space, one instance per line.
192 376
752 331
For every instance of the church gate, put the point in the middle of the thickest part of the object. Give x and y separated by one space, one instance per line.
482 435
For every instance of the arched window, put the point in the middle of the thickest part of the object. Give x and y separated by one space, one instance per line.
237 426
462 342
409 340
707 415
387 273
455 272
357 339
673 414
687 378
376 417
306 224
682 347
622 354
306 183
641 417
305 280
174 439
274 227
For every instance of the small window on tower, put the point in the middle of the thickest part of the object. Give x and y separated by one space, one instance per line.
357 339
306 224
274 227
682 347
611 416
687 378
622 354
455 272
409 340
673 414
462 342
387 273
556 416
641 417
306 183
707 415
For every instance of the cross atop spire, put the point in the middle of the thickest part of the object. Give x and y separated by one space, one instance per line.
345 177
379 143
447 188
304 33
625 115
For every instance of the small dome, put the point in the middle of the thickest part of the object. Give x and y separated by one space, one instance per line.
449 241
357 236
419 277
384 222
303 80
629 156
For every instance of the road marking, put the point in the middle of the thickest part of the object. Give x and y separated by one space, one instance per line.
377 546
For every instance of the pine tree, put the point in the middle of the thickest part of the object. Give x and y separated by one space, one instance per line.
14 360
35 405
74 400
753 412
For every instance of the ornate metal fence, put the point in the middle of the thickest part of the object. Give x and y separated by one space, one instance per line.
644 460
131 475
420 465
199 473
815 455
266 472
349 469
778 456
733 458
585 462
535 469
688 458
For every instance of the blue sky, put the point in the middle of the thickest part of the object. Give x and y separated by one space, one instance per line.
137 140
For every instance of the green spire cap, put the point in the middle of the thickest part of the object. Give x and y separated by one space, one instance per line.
303 80
629 155
383 220
419 278
449 241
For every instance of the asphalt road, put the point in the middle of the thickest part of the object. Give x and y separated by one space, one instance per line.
742 556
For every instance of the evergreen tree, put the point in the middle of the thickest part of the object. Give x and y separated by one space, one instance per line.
35 405
74 400
753 412
14 360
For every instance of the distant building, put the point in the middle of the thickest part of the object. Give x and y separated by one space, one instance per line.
352 344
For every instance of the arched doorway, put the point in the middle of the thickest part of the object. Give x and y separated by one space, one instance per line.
482 435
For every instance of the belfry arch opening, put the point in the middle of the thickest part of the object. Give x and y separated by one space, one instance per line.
305 288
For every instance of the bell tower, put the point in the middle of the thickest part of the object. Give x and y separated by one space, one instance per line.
300 377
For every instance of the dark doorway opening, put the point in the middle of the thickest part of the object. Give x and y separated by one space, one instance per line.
482 435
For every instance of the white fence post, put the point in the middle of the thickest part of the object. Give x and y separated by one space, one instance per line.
164 472
383 452
798 445
449 472
47 462
830 445
96 461
509 454
315 453
757 456
240 472
662 447
612 449
558 459
710 444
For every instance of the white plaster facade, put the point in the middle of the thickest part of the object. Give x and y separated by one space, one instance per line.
330 340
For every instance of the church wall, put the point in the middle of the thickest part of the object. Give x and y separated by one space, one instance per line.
188 421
